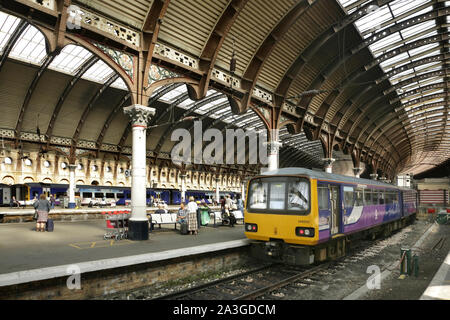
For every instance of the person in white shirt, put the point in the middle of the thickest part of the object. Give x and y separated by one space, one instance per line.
192 216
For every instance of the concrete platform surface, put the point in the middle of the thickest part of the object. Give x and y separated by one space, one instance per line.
439 288
22 248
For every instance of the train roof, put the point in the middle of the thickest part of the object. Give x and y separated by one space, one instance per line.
326 176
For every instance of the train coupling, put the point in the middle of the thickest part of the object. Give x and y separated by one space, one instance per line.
273 249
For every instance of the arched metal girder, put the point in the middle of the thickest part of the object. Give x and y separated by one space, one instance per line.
354 76
88 109
255 66
48 59
305 102
150 32
290 156
417 63
85 67
438 73
110 118
384 33
391 54
21 27
183 97
186 113
382 124
214 43
299 63
421 99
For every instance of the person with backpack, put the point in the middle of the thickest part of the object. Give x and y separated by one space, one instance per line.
42 207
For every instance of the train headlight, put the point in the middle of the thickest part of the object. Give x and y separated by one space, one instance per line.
304 232
251 227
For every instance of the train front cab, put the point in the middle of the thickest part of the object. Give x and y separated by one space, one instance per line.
281 218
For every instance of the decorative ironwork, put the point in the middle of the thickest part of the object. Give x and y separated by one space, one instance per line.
124 60
158 73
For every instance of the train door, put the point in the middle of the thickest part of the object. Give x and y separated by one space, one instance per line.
335 209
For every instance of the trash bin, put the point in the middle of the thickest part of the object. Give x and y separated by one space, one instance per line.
204 216
443 217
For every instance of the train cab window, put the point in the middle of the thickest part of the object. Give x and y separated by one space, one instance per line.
298 196
322 195
277 195
120 196
258 195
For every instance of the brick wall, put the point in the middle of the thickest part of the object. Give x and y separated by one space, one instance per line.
100 283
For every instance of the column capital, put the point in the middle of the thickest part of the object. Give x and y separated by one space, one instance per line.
140 115
328 161
356 171
373 176
72 167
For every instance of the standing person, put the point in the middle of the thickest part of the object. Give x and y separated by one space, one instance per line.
240 204
192 216
52 201
43 208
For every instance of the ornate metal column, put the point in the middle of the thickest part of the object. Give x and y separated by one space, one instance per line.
72 203
183 188
274 151
138 223
356 172
217 190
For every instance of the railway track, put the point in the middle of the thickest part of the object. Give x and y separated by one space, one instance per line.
248 285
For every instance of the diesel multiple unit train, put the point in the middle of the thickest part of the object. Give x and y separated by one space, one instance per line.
86 194
300 216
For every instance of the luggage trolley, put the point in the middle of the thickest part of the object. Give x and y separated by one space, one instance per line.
116 225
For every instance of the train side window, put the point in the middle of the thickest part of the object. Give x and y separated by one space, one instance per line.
87 194
322 195
99 195
348 197
359 198
367 197
381 197
120 196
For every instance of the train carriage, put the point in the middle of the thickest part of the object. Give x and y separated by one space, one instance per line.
302 216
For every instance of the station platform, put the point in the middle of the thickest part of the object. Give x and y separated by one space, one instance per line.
439 288
27 255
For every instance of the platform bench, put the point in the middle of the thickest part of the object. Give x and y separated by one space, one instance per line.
164 218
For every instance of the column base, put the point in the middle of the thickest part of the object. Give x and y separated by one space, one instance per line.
138 230
72 205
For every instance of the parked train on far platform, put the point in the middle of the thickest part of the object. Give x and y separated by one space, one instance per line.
90 193
300 216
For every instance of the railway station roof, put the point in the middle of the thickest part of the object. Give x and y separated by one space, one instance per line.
368 78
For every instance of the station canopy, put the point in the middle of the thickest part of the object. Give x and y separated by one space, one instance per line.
367 78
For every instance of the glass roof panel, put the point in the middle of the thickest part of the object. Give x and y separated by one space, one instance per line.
30 47
119 84
8 25
99 72
374 19
174 94
70 59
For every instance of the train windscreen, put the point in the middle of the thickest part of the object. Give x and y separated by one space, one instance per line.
284 195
